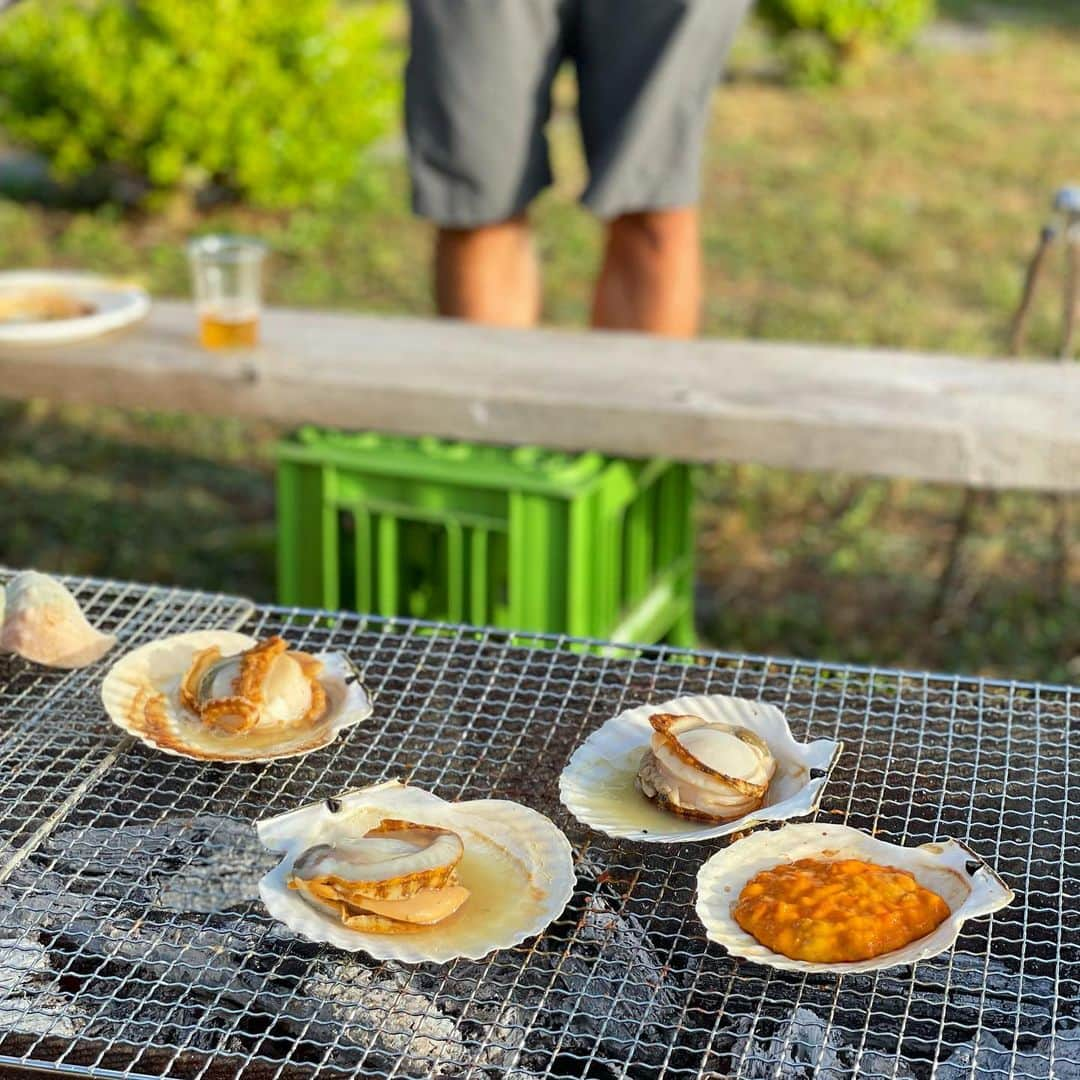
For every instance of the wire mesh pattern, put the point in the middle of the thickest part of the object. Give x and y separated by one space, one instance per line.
54 736
131 943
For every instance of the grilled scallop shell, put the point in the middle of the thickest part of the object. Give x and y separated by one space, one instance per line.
949 868
598 784
215 695
516 865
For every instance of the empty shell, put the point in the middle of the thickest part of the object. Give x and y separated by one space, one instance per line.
42 622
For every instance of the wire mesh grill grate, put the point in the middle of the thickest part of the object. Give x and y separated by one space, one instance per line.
130 945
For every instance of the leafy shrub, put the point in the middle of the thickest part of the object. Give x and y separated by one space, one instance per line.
823 38
272 100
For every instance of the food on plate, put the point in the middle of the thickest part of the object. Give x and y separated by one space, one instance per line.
41 305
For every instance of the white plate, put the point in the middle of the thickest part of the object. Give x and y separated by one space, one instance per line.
951 869
597 785
533 882
116 304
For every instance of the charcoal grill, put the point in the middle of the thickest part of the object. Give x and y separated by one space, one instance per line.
131 945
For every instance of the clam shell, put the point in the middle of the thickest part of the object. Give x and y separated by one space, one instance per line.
158 668
597 785
517 864
968 885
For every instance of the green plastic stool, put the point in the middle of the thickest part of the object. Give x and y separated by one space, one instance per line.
518 538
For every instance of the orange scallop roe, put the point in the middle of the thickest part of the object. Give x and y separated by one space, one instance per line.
837 912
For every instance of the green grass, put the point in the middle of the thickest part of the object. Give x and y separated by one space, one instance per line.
896 212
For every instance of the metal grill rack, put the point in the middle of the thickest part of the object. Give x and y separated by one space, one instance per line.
131 945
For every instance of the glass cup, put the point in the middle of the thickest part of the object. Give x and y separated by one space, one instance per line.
227 276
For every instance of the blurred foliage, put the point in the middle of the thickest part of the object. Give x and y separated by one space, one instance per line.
823 41
271 101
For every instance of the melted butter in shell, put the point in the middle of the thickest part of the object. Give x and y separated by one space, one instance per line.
149 712
503 893
614 794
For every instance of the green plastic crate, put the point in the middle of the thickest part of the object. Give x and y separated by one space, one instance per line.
519 538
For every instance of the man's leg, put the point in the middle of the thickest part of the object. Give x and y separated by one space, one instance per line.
477 97
651 276
488 274
646 71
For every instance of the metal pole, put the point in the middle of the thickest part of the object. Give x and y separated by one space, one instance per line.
1071 307
1018 333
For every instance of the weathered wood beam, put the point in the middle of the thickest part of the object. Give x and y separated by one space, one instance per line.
984 423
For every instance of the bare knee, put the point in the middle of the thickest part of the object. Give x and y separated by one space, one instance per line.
655 237
500 234
488 273
651 278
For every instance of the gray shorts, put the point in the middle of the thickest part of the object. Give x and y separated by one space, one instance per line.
478 96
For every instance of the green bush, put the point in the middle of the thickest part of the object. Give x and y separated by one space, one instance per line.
821 39
272 100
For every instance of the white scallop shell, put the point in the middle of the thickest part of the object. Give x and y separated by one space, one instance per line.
159 666
42 622
597 785
968 885
517 864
